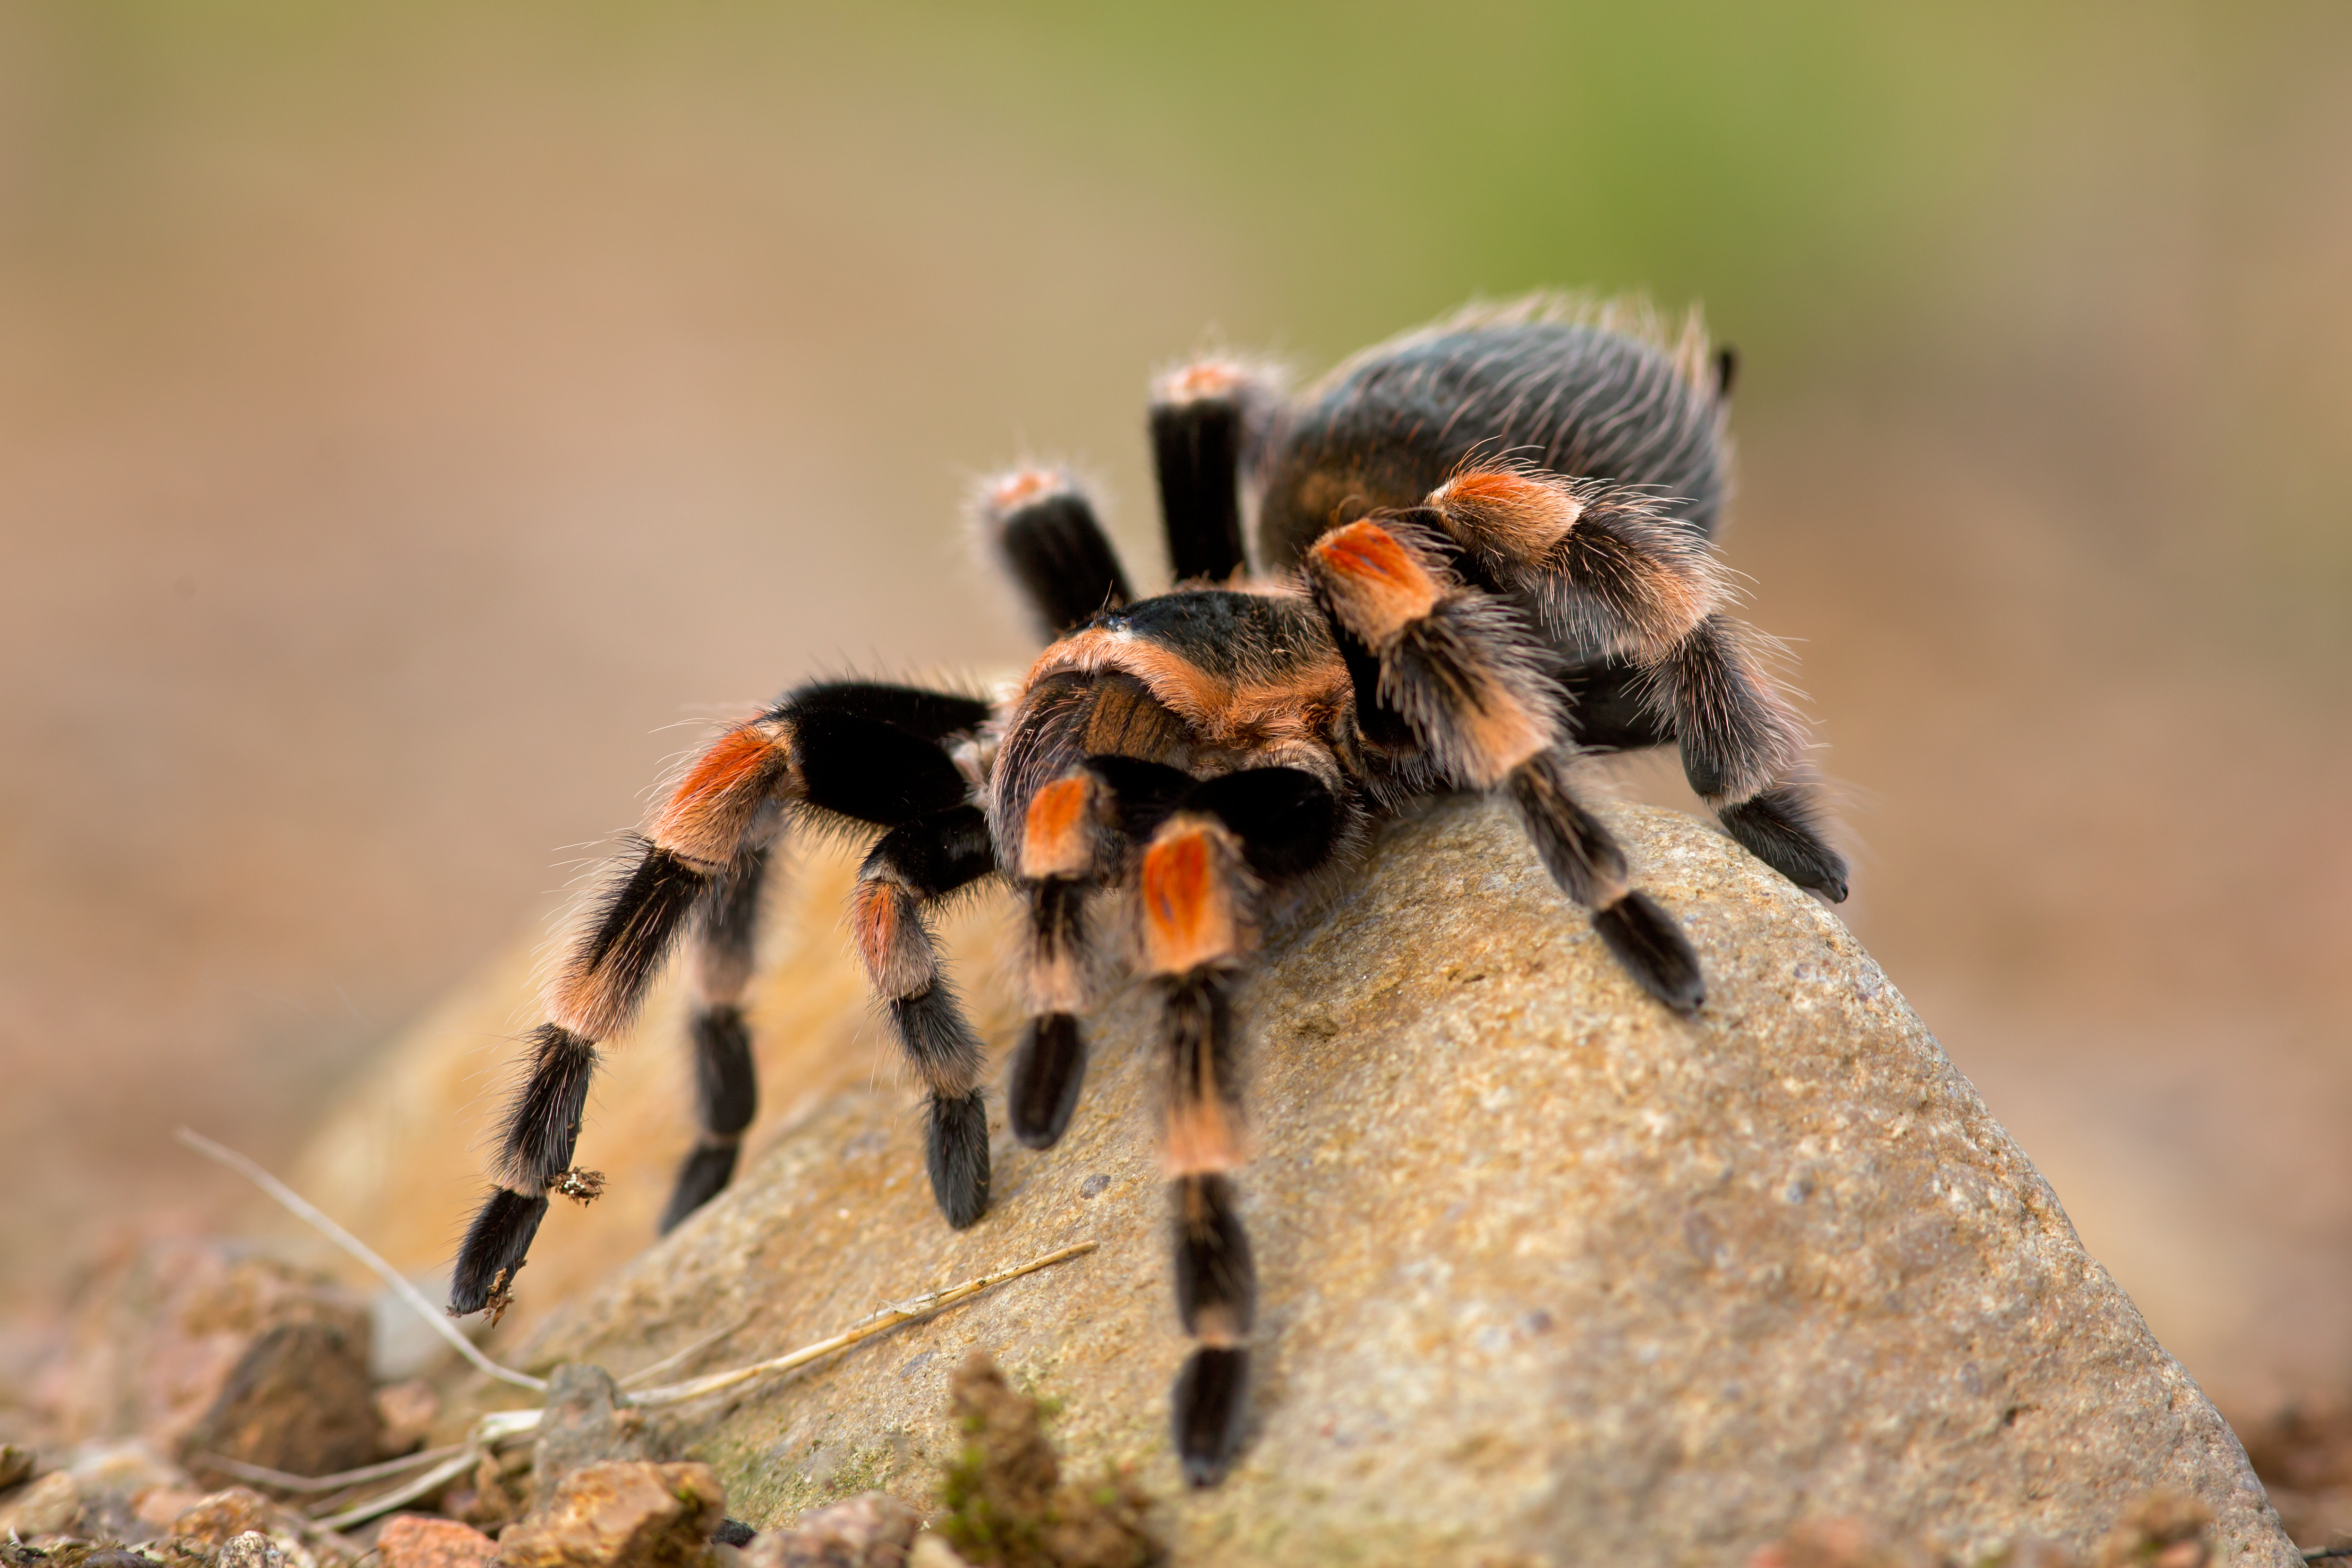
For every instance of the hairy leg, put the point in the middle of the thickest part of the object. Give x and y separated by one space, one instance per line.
1458 669
867 752
1205 420
1044 532
1607 568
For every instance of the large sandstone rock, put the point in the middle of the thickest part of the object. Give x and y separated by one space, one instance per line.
1549 1275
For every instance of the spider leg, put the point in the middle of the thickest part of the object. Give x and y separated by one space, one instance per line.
1606 569
1078 835
1204 418
864 751
725 1082
1198 886
1458 669
1064 850
1044 532
914 865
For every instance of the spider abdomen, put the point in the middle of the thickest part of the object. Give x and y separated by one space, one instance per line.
1574 398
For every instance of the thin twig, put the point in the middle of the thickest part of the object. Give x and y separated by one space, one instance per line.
676 1356
287 1481
351 1244
888 1318
439 1475
2319 1553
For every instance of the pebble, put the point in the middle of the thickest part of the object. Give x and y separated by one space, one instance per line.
620 1514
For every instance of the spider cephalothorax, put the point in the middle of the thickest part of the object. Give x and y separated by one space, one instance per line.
1480 551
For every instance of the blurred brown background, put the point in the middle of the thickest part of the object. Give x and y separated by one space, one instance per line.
414 421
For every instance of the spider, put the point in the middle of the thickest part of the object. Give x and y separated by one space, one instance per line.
1480 549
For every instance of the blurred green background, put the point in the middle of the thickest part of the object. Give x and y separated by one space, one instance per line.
415 420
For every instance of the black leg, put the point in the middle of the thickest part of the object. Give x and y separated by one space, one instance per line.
1467 677
1609 570
1200 429
727 1094
1046 533
1196 886
915 865
865 751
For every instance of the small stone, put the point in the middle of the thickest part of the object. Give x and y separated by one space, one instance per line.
298 1400
584 1423
48 1506
872 1530
620 1514
251 1548
16 1466
156 1339
219 1520
412 1540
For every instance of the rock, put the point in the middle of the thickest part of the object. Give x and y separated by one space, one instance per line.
159 1339
584 1424
252 1549
48 1507
620 1514
121 1483
1548 1272
933 1551
16 1466
298 1400
220 1519
872 1530
411 1540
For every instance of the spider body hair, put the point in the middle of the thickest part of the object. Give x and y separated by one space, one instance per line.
1479 550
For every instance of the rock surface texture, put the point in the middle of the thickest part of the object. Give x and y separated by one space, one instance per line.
1549 1275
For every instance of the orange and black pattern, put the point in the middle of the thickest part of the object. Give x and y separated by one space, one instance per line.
1466 557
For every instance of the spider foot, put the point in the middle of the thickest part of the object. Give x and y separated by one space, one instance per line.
1212 1410
493 1249
957 1156
1781 828
1048 1071
1654 952
703 1177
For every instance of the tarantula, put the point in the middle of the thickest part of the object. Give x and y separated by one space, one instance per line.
1480 549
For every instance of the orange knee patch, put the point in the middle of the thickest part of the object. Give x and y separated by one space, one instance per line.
1056 839
1377 585
704 819
1186 896
1515 513
1201 1137
891 939
1498 733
